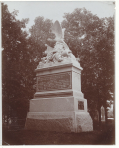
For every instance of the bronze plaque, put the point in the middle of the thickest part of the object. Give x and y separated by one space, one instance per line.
80 105
59 81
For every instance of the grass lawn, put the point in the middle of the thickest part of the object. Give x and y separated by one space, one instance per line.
30 137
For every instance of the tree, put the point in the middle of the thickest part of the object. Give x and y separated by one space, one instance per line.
17 68
105 54
92 39
39 33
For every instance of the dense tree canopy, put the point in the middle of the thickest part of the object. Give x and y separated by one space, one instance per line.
17 69
92 39
39 34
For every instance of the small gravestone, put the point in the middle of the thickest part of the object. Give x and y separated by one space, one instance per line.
102 114
58 104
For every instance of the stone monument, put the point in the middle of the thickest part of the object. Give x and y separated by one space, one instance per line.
58 103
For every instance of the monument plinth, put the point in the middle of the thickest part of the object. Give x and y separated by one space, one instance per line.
58 103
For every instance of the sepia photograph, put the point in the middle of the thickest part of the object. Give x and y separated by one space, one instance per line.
58 72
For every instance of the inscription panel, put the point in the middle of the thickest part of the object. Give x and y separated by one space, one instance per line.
80 105
58 81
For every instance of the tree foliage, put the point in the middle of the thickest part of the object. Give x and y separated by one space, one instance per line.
17 68
92 39
39 33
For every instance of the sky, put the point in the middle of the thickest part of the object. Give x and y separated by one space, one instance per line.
55 10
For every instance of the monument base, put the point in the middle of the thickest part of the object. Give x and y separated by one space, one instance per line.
70 121
58 104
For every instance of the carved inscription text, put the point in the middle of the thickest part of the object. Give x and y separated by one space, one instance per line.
80 105
58 81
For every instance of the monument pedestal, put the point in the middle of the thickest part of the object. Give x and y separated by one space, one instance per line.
68 121
58 103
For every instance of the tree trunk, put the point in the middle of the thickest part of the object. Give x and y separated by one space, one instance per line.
105 106
99 110
114 108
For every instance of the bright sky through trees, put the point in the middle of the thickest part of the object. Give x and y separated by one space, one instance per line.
55 10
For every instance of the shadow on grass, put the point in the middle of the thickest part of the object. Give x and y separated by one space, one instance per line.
106 136
25 137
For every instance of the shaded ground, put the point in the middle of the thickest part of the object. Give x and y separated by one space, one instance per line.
29 137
